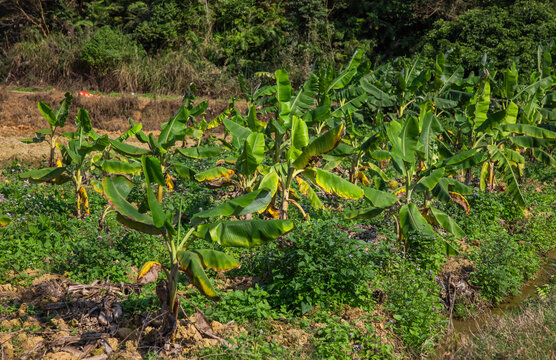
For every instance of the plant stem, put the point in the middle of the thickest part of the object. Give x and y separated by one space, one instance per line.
286 194
407 184
52 151
277 145
174 272
77 179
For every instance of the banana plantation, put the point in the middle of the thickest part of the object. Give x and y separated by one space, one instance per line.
364 214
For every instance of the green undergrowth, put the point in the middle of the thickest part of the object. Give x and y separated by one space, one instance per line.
306 284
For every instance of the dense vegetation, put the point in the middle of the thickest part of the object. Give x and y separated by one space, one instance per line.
164 46
418 194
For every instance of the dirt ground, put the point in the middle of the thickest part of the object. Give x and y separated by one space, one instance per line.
62 320
20 118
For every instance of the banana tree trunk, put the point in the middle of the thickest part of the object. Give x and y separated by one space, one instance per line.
286 194
52 152
77 179
491 177
353 169
468 176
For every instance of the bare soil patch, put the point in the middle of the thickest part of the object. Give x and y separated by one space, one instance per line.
20 117
54 318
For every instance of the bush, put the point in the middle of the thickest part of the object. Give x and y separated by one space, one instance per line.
490 214
109 48
413 298
322 266
503 33
242 306
501 266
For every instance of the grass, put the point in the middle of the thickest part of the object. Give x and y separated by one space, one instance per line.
528 333
31 89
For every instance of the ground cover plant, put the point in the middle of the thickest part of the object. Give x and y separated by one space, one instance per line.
399 221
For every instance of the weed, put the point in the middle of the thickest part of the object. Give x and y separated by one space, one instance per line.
317 265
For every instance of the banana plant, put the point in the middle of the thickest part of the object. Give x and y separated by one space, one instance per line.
296 156
210 225
498 137
76 162
413 156
56 119
281 153
161 147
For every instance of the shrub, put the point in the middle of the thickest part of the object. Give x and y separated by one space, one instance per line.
413 298
504 33
322 266
108 48
242 306
501 265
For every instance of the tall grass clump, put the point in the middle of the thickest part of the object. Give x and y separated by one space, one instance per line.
49 60
527 333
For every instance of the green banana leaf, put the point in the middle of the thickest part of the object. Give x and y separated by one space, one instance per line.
379 199
191 264
304 100
270 182
512 185
119 167
216 260
480 109
244 233
306 190
184 171
430 181
47 112
367 213
239 133
252 154
283 95
127 149
377 97
334 184
404 138
412 220
152 170
300 133
242 205
319 146
127 213
529 130
44 174
447 223
201 152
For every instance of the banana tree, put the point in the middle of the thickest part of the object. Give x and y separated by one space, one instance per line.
281 153
296 156
413 156
76 162
160 147
56 119
498 137
179 238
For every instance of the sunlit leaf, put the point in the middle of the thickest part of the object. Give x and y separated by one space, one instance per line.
191 264
216 260
244 233
214 174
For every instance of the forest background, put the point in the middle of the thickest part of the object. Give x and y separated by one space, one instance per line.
165 46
